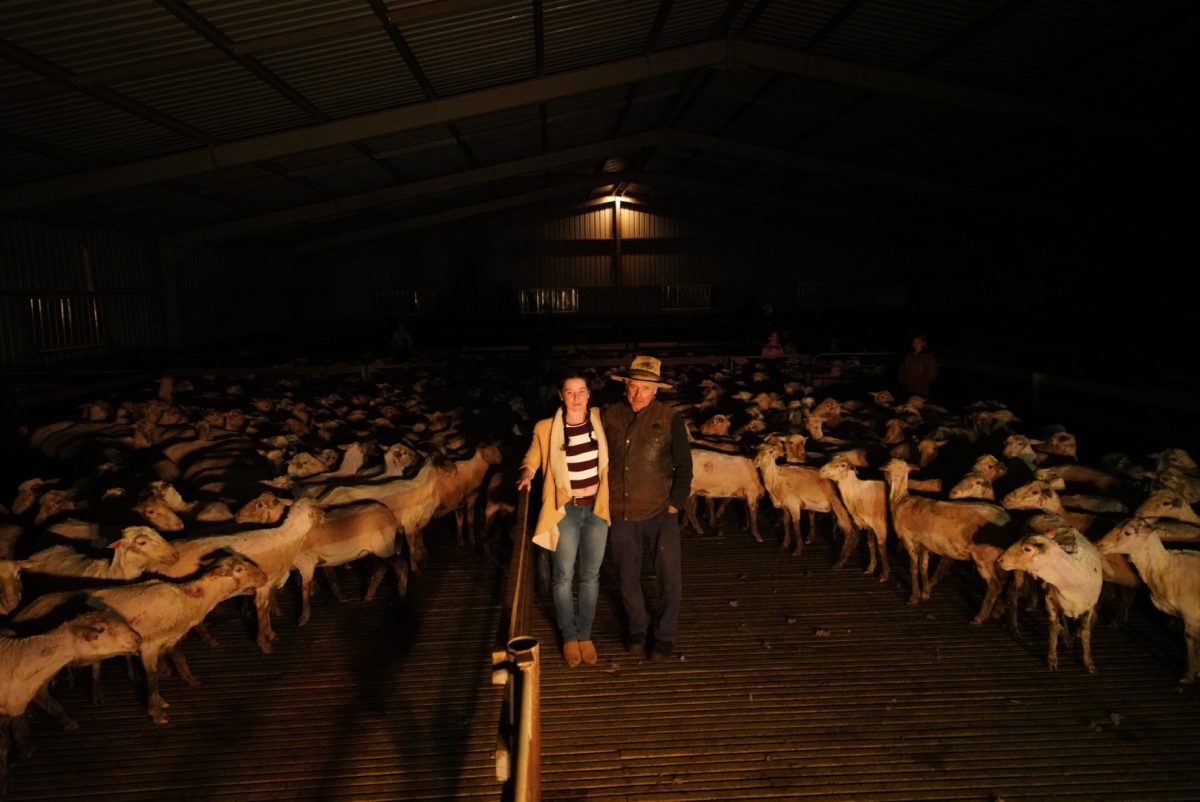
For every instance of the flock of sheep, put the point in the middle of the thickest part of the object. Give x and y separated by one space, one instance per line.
150 512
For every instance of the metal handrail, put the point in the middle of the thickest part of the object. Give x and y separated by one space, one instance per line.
518 668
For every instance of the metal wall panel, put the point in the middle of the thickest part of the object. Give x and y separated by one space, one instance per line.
67 294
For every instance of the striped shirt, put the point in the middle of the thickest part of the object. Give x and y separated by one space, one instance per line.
583 458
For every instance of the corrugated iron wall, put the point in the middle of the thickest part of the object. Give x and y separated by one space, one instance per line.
66 294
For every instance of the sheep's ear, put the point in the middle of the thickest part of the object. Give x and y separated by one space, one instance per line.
116 544
1066 541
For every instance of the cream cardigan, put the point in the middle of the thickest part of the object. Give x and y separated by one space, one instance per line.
546 452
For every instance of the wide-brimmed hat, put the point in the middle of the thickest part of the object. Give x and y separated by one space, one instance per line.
643 369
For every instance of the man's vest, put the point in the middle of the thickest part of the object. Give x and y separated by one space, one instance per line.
640 467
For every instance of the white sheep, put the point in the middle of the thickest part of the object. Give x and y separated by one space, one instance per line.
10 584
265 508
162 613
138 550
413 502
27 664
973 485
1172 576
346 534
1164 503
273 550
1039 495
719 475
958 530
866 502
797 489
458 488
1070 566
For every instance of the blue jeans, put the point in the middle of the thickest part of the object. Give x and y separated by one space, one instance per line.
662 532
584 535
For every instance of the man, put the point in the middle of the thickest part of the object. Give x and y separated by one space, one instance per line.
650 477
918 368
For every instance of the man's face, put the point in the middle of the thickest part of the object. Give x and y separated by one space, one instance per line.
639 393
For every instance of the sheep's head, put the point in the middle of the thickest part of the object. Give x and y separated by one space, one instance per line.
1036 495
1128 536
159 515
990 467
973 485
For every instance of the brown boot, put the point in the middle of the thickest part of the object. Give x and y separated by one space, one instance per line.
571 653
587 650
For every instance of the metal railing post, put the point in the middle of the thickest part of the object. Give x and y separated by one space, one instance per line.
518 668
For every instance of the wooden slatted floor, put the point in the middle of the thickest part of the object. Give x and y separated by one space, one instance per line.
793 681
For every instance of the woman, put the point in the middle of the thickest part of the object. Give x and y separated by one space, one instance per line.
573 521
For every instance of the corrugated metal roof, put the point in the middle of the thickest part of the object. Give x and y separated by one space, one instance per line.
95 34
348 75
889 84
466 52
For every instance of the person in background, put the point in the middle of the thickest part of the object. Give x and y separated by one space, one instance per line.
570 450
401 343
918 368
650 479
773 347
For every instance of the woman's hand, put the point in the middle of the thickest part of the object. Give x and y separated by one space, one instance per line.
525 479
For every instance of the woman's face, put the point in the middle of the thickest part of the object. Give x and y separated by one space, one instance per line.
574 395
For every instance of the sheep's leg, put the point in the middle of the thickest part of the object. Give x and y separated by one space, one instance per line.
262 603
1085 636
812 526
1191 639
849 546
752 512
201 629
787 528
689 509
97 692
458 525
871 557
330 573
797 516
994 585
46 702
400 568
914 568
944 566
380 568
155 704
722 507
880 542
5 729
923 576
470 512
710 505
179 661
5 739
415 546
1055 628
1015 586
306 583
20 736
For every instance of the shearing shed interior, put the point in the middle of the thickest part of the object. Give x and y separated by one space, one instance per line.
264 261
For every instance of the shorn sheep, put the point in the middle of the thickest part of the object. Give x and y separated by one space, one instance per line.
1069 565
162 613
1172 576
958 530
797 489
27 664
866 501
